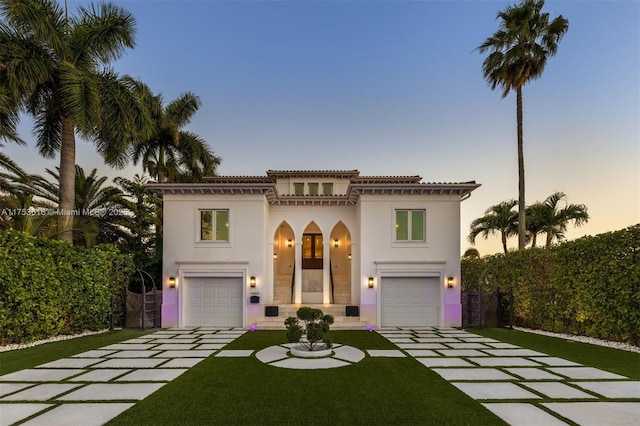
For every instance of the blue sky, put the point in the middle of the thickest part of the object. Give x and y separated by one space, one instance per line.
395 88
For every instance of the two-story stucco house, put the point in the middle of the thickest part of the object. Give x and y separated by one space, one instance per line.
241 250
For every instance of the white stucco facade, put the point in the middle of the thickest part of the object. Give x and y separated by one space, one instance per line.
312 237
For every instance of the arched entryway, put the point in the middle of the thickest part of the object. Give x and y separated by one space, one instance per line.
283 264
340 255
313 258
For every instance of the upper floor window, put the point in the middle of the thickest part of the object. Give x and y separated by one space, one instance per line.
214 225
327 188
298 188
313 189
410 225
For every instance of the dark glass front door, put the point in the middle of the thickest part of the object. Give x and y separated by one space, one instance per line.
312 250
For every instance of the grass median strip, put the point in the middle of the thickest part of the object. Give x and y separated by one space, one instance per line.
245 391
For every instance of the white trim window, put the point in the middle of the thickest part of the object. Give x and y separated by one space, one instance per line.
214 225
410 225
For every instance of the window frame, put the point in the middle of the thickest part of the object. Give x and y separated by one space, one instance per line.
313 188
327 188
214 226
409 229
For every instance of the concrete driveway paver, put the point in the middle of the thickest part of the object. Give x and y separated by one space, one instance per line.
12 413
152 375
495 390
182 362
421 352
513 352
461 352
453 374
194 353
40 375
104 375
130 363
87 414
444 362
533 373
129 346
234 353
555 361
112 392
626 389
42 392
93 354
133 354
584 373
70 363
507 361
7 388
557 390
523 414
598 413
386 353
175 346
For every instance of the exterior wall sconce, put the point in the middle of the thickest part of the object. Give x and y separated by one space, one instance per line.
275 256
289 243
336 243
172 282
370 281
349 256
450 282
252 281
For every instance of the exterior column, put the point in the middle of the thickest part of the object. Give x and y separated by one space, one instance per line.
326 273
297 290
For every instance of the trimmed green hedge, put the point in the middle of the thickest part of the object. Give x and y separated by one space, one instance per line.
49 287
589 286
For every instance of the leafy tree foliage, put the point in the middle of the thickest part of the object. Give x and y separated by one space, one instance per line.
170 153
500 219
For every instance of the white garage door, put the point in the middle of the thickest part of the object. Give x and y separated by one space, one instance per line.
409 301
214 302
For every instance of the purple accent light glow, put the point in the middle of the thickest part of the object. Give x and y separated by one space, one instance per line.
370 327
253 327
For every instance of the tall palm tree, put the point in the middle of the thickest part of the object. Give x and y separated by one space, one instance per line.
54 67
171 153
554 214
499 218
525 39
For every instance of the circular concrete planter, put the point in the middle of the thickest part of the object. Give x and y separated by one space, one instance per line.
319 351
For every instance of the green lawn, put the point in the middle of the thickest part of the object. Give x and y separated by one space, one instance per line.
616 361
244 391
11 361
375 391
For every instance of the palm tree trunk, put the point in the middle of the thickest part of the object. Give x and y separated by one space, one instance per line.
504 242
522 228
161 164
66 191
